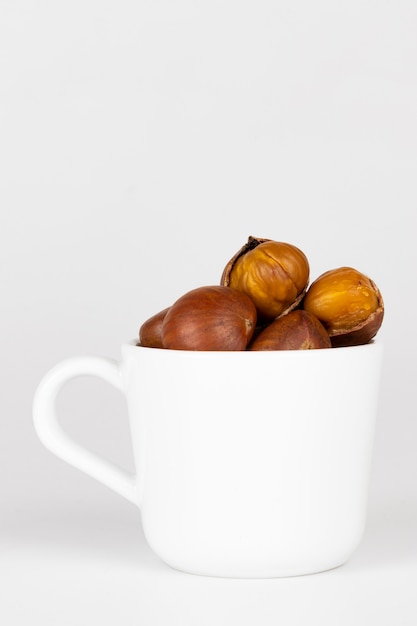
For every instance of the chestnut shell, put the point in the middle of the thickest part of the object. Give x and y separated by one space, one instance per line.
298 330
150 333
210 318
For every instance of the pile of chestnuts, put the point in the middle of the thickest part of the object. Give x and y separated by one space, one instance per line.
264 302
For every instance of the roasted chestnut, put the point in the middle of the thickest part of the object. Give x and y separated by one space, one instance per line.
273 274
348 304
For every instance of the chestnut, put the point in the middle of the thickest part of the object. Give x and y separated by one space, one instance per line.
209 318
297 330
150 331
273 274
349 305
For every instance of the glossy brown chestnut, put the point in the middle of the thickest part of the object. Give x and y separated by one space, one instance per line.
297 330
150 331
210 318
348 303
273 274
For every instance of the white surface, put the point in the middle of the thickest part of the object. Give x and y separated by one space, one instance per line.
141 143
90 564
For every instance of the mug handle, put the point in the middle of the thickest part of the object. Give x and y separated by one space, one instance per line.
55 438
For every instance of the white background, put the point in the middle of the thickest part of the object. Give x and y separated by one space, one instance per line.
140 144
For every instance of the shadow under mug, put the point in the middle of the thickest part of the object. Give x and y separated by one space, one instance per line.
248 464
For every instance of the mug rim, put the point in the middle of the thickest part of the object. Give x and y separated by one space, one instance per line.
134 344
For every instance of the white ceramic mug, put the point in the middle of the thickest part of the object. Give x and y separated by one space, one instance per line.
248 464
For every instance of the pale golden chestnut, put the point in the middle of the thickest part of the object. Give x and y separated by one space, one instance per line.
348 303
297 330
273 274
209 318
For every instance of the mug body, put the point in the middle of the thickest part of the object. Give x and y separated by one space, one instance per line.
253 464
